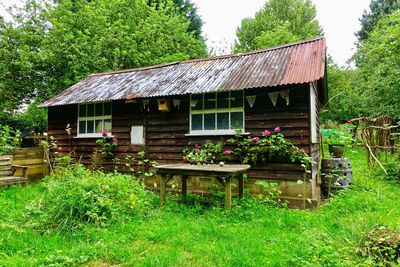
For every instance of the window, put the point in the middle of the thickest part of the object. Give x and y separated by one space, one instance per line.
93 119
217 113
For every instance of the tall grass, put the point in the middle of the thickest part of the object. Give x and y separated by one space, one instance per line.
251 234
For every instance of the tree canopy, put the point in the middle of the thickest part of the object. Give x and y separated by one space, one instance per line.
378 9
278 22
379 64
51 45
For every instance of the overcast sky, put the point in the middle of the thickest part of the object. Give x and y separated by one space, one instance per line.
339 19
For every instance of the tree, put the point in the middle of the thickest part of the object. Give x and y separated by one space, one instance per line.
53 44
378 59
278 22
344 94
189 10
369 19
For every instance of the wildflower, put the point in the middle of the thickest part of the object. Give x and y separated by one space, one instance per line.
277 129
197 145
255 139
227 152
350 121
197 151
267 133
104 133
115 140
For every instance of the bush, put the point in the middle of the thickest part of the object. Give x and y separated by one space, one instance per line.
393 170
382 245
76 196
8 140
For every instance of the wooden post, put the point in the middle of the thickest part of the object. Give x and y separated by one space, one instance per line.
228 192
241 184
184 187
322 145
162 189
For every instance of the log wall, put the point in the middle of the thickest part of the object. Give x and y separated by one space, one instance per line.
165 136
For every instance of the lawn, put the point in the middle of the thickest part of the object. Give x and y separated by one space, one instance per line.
251 234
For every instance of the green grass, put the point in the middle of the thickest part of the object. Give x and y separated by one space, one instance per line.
188 235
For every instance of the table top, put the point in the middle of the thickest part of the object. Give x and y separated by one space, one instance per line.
226 168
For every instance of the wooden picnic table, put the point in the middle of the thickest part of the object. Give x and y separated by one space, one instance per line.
223 174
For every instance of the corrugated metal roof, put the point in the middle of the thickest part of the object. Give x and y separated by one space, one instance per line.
295 63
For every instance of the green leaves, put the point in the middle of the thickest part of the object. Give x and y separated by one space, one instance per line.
53 45
278 22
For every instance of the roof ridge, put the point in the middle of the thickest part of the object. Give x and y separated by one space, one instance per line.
210 58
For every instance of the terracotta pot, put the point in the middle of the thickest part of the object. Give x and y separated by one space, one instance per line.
336 151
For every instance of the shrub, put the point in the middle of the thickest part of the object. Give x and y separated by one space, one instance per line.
8 140
76 196
383 246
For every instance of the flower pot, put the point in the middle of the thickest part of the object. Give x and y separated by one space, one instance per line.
336 151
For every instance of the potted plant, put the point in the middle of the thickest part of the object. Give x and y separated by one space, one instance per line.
338 140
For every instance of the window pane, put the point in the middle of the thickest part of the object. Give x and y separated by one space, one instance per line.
99 126
99 109
237 120
236 99
209 101
107 108
197 122
90 127
223 100
223 121
82 110
197 102
90 110
82 127
209 121
107 126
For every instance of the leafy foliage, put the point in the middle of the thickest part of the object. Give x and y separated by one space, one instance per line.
53 44
255 150
76 196
8 140
378 10
206 153
379 63
278 22
188 9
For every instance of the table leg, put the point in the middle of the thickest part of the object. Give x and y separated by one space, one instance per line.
184 187
228 192
241 184
162 189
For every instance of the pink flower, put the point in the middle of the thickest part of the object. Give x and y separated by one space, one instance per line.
197 151
255 139
197 145
267 133
350 122
115 140
227 152
104 133
277 129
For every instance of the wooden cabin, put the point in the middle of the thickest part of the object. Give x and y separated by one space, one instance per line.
161 109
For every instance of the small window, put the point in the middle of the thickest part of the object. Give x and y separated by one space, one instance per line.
217 113
93 119
137 135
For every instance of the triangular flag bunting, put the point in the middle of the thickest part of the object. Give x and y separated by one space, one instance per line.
251 99
274 97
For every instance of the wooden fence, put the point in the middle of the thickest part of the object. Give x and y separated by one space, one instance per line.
34 158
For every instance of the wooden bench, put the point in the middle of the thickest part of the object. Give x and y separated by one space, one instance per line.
7 171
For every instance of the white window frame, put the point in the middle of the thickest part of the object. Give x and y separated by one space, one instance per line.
92 118
216 111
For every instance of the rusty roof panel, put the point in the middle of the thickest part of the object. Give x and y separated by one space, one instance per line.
295 63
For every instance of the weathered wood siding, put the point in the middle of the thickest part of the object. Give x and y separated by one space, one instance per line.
165 136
